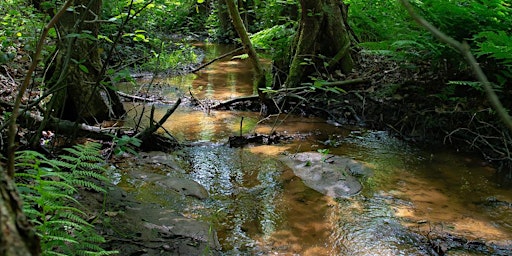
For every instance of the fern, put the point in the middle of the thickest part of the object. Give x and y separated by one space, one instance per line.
48 187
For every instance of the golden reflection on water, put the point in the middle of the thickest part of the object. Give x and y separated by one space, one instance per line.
451 194
444 190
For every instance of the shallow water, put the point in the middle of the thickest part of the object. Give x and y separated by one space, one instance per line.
259 207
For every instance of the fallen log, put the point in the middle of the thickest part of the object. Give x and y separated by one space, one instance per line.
150 141
227 103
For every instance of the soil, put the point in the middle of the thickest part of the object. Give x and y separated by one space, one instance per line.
133 226
407 102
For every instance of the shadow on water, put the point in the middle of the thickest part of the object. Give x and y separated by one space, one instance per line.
259 207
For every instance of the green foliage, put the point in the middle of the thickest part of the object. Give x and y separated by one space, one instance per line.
462 19
125 144
19 25
275 39
496 45
48 188
385 28
175 57
375 21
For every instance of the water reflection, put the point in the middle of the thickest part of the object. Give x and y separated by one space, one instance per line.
261 208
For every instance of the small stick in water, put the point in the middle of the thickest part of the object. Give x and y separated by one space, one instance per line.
241 124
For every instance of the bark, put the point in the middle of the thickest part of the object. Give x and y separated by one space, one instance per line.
17 238
78 93
267 103
321 38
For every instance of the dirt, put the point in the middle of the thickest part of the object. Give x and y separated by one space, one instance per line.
134 226
396 99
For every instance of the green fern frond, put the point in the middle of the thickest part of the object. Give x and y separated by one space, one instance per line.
101 253
91 166
76 218
64 223
89 185
49 253
48 187
91 174
61 238
86 248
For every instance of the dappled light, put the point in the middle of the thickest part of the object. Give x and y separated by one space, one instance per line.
205 127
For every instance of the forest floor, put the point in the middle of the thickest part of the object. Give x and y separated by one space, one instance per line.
408 102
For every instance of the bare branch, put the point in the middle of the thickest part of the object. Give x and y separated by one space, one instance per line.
463 48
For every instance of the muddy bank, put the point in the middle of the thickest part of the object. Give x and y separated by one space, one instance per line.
261 208
418 105
134 224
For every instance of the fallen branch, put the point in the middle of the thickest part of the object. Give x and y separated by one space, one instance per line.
69 127
227 103
346 82
138 98
463 48
144 135
216 59
235 100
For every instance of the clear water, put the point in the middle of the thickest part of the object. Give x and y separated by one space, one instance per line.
258 206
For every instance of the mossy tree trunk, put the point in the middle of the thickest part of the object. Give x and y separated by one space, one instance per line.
17 237
322 42
260 79
76 80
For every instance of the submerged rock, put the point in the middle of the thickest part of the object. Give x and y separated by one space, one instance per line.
183 186
330 175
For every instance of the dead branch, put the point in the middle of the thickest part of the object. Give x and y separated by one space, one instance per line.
218 58
346 82
463 48
69 127
144 135
138 98
227 103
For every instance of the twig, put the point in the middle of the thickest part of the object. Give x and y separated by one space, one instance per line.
138 98
152 128
216 59
463 48
24 85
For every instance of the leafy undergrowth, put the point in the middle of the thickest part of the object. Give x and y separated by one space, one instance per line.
418 102
49 188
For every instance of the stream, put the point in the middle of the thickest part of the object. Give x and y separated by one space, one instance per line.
416 201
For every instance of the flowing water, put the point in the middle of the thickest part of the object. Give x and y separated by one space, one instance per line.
259 207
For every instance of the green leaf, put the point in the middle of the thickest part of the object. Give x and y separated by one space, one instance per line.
83 68
242 56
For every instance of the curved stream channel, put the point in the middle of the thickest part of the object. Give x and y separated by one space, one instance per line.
416 201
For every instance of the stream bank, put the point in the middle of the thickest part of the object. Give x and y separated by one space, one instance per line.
418 201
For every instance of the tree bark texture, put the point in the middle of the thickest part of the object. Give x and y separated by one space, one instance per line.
321 39
253 56
78 93
17 237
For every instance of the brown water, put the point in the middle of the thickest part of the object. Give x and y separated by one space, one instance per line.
259 207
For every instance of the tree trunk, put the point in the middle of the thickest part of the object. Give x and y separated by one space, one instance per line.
78 93
322 42
17 237
260 83
226 30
